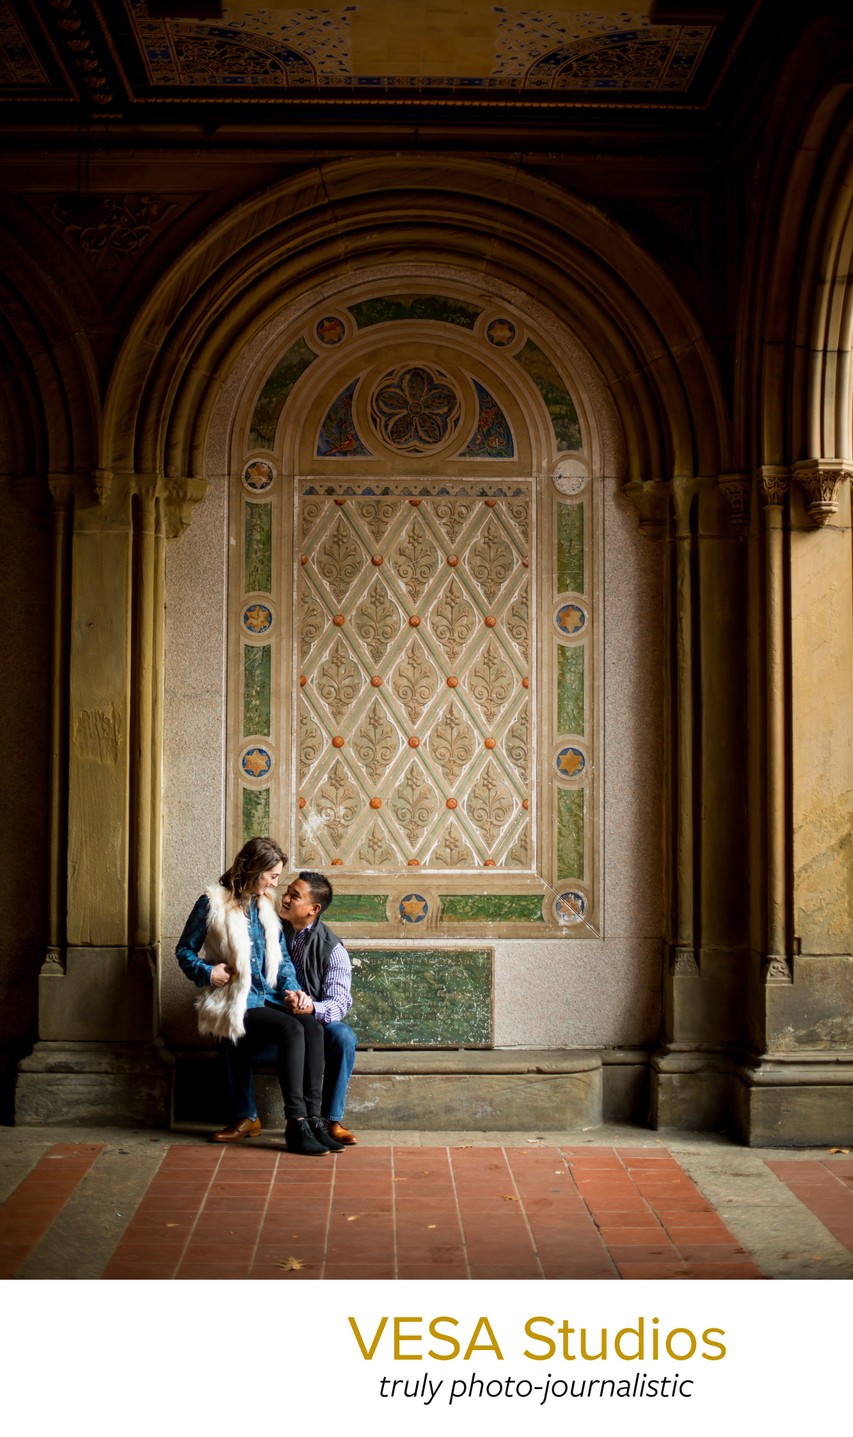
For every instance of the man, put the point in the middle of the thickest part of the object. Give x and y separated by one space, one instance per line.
325 979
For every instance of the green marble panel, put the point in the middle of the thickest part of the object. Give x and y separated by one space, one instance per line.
491 908
275 392
422 998
570 566
564 416
570 675
360 908
256 813
256 689
415 306
570 806
258 548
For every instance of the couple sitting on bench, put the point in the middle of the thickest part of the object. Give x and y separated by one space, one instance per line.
275 986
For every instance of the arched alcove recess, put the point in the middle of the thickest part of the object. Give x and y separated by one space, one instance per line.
488 218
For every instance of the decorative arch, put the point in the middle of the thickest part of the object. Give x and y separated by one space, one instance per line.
487 218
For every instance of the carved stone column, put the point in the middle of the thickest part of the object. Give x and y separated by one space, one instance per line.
99 1056
820 481
773 487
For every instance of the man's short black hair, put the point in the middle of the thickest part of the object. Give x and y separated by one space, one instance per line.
321 888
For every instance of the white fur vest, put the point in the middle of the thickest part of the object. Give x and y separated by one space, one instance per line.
221 1010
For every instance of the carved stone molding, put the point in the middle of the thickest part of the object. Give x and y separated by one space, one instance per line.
820 480
773 480
651 499
776 969
180 497
684 961
737 489
110 227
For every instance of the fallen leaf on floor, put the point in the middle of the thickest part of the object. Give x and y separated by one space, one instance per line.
168 1224
291 1264
399 1180
839 1150
536 1140
509 1197
353 1216
432 1224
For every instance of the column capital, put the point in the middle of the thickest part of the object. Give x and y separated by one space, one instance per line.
651 500
773 481
820 480
180 495
738 491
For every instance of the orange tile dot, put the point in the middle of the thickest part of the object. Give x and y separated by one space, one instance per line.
414 503
414 863
414 622
414 741
338 741
525 803
526 562
452 682
338 620
453 560
490 863
490 621
302 681
340 503
376 803
377 559
303 559
525 683
489 743
490 503
376 682
451 803
337 863
302 803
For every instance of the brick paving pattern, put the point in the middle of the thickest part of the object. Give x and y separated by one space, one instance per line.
28 1213
826 1188
398 1212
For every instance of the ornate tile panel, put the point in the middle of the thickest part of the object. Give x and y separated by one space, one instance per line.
422 998
416 622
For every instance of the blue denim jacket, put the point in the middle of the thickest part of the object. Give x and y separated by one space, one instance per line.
191 943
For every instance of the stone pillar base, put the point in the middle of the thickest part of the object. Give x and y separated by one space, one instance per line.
797 1102
97 1084
691 1091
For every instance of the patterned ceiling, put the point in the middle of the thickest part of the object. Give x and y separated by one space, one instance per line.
120 58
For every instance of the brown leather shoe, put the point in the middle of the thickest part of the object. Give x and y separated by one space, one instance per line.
340 1134
238 1132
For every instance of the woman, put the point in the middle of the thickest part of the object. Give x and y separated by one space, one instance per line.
246 975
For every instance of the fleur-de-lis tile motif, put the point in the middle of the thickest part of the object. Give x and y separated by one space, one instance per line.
377 514
310 743
452 515
452 743
337 805
453 620
377 621
489 805
490 560
416 560
518 621
413 803
376 743
491 682
340 559
452 852
338 681
311 625
415 680
518 744
376 851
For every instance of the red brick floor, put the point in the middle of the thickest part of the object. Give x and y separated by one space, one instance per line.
26 1216
826 1188
398 1212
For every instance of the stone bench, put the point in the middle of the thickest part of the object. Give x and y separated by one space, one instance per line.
496 1089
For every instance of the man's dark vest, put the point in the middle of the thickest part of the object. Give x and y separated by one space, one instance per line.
315 954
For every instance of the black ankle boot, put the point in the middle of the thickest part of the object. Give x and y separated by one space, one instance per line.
299 1138
324 1138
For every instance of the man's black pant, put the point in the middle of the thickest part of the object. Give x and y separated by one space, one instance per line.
298 1044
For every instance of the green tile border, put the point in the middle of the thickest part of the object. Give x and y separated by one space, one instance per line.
359 908
422 997
257 701
570 696
570 834
491 908
256 813
570 548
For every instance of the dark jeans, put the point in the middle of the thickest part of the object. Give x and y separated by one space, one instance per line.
298 1041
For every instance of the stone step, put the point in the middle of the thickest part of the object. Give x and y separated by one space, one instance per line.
509 1089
